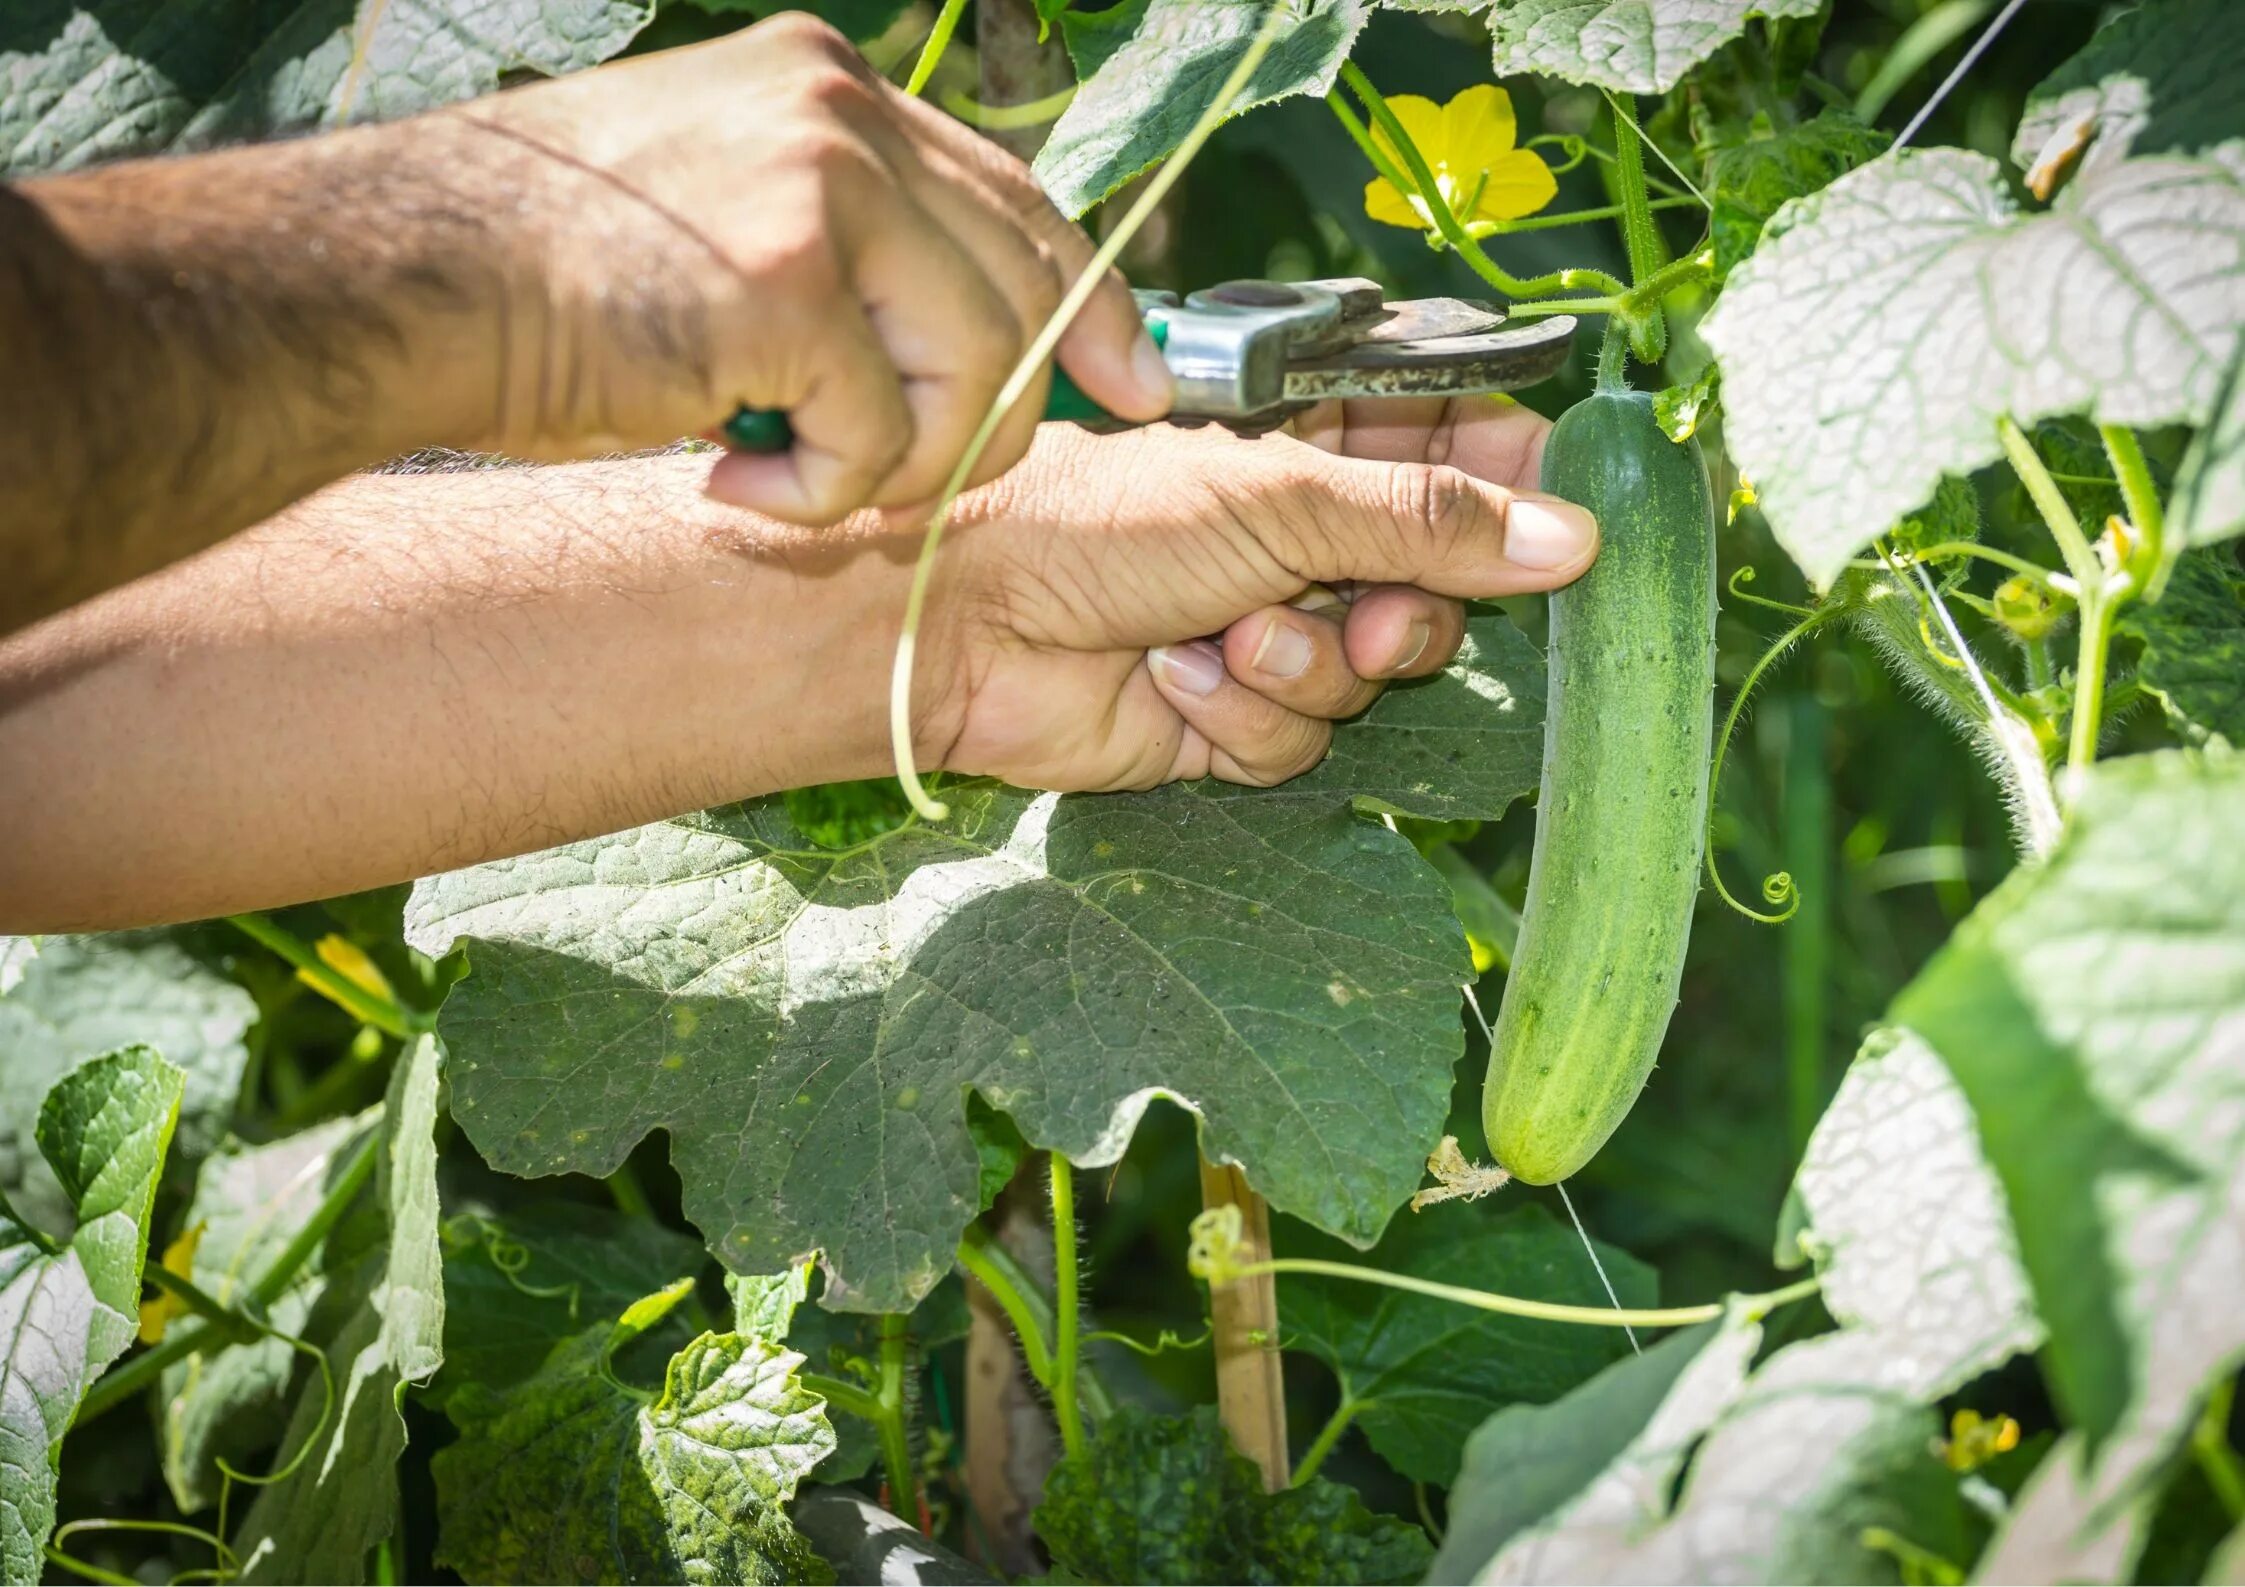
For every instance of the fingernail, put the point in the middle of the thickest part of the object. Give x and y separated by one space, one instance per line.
1151 371
1195 668
1284 652
1416 638
1319 601
1547 534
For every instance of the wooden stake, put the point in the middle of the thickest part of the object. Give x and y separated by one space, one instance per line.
1250 1396
1010 1443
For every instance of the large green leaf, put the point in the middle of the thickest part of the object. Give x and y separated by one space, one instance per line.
380 1326
69 1309
2093 1010
1885 324
520 1283
572 1475
2194 645
83 996
1149 89
250 1204
1749 181
806 1022
1631 46
2156 78
1167 1499
1826 1439
16 954
1422 1374
90 80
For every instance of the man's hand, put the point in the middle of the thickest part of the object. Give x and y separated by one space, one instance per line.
763 220
408 673
1085 585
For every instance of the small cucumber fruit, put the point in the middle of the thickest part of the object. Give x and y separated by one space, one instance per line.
1620 820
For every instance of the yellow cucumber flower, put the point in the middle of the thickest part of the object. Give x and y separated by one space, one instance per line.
1469 145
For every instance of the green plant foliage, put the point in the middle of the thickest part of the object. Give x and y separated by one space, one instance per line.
2093 1010
1953 513
764 1307
250 1203
1749 181
380 1326
574 1475
2157 78
762 999
2194 646
92 80
1630 46
68 1308
521 1282
1166 1499
1871 343
2210 486
1142 92
84 996
1424 1373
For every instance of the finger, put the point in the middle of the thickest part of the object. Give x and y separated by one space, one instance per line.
1251 739
1396 631
851 421
1431 525
1297 659
1106 348
950 334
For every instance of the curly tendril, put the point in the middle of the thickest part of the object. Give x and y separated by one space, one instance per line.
1745 575
1778 890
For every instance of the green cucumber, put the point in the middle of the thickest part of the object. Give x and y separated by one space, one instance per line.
1620 820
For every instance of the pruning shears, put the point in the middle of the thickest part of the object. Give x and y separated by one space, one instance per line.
1248 354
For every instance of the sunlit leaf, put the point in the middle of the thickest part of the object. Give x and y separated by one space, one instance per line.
1632 46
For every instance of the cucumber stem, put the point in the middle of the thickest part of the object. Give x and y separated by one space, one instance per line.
1639 232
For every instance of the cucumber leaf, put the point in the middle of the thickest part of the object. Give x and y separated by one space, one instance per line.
1884 325
16 954
806 1022
1167 1499
1749 181
1630 46
574 1475
2093 1011
84 996
1422 1373
1144 92
379 1324
93 80
2209 500
2156 78
68 1309
1791 1463
250 1204
2194 646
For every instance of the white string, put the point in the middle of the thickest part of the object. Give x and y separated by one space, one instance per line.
1629 118
1956 73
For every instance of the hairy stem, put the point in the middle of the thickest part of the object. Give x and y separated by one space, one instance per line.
1639 233
1032 1314
1067 1307
2154 557
2080 555
1327 1436
2089 680
892 1422
843 1395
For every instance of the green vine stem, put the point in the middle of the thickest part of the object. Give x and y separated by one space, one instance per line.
384 1014
893 1421
1478 229
2056 583
1032 1314
1778 890
146 1368
843 1395
1025 371
1421 181
2152 558
1214 1238
939 40
2210 1447
1067 1306
1327 1436
2073 545
1649 335
1613 357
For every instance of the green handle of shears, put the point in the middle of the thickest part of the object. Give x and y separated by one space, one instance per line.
766 430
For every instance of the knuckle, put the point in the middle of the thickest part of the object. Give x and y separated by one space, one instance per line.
807 31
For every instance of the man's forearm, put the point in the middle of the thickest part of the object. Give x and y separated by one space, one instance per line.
406 673
189 345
